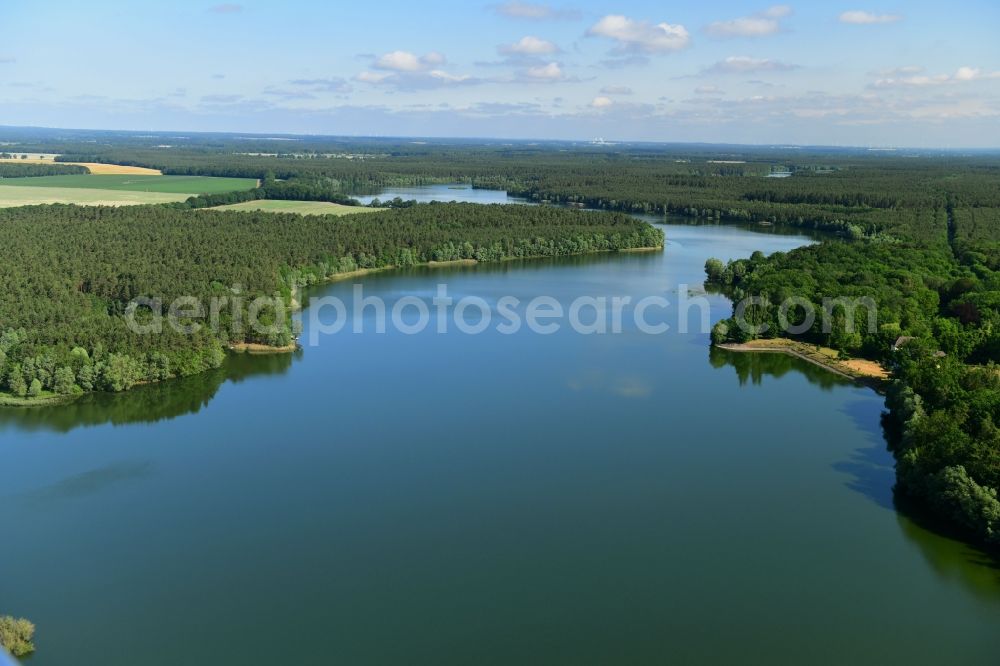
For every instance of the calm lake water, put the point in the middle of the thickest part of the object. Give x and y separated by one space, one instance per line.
426 193
486 499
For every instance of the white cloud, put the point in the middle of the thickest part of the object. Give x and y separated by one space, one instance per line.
372 77
601 102
745 64
406 71
969 74
708 90
961 75
549 72
641 36
528 46
433 58
441 75
227 8
533 12
777 11
616 90
761 24
401 61
861 17
404 61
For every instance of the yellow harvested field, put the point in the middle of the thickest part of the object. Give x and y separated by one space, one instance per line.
105 169
96 168
19 195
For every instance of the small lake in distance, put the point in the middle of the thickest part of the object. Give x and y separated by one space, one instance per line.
461 192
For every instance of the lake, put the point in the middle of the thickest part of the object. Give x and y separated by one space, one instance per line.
454 192
487 499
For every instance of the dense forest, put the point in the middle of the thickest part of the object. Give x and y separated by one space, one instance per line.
70 273
306 188
15 170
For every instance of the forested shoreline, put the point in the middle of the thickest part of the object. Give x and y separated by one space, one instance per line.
936 285
71 273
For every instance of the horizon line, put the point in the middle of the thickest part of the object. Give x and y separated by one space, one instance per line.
590 141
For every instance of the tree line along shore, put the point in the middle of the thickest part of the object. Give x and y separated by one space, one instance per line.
73 272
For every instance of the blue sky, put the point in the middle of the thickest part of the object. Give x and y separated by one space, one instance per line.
870 72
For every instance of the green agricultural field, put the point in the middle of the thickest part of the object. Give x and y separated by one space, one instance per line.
13 195
299 207
186 185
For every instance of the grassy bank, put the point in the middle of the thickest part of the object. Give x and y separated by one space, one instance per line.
46 399
254 348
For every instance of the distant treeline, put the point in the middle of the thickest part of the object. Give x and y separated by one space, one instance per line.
15 170
853 196
297 189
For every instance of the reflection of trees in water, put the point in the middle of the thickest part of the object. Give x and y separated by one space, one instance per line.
545 264
952 560
872 474
753 367
146 404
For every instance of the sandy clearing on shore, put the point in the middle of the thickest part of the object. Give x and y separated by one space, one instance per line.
866 368
822 356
